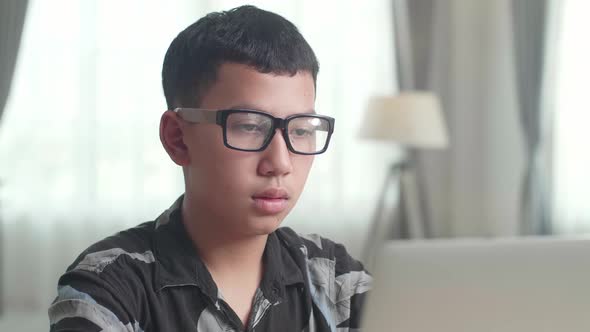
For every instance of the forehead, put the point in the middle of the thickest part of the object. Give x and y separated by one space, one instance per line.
241 86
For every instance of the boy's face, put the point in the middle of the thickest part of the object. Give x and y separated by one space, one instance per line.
247 193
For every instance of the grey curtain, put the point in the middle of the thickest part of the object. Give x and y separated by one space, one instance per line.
532 24
413 28
463 51
12 17
413 25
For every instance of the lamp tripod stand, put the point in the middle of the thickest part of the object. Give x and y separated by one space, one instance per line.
404 220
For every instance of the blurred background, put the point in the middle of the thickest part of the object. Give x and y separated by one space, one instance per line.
81 98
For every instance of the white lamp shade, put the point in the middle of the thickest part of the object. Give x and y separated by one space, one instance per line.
412 118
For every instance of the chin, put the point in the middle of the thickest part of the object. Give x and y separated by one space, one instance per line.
264 225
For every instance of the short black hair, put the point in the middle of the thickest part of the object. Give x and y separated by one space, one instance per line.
247 35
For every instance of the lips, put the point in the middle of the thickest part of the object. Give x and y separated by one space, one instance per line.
272 193
271 201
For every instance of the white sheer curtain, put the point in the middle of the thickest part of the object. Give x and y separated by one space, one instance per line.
79 148
571 158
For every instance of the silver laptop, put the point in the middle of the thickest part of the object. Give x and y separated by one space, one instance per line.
508 285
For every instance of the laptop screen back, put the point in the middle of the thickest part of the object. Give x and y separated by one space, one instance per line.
521 284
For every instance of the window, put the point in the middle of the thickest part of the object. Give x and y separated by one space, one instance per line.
571 151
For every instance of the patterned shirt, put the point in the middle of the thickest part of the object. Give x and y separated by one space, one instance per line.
150 278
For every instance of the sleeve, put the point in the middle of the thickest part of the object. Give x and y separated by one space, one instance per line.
88 302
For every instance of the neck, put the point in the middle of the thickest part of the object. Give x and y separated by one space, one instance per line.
225 253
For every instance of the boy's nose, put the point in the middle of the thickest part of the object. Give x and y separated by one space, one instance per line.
276 158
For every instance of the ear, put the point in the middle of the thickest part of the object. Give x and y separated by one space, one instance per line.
171 136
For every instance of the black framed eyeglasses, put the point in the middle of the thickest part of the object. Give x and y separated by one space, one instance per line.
250 130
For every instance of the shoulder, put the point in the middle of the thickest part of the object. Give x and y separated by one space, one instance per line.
129 246
102 286
321 251
122 262
318 248
115 260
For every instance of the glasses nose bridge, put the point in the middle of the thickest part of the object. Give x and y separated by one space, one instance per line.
280 124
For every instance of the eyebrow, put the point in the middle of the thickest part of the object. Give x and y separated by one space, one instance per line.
254 108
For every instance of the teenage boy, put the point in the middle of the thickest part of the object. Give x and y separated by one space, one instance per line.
240 87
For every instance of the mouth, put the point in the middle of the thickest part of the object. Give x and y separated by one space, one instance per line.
272 193
271 201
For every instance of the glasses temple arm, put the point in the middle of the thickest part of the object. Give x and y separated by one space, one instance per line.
197 115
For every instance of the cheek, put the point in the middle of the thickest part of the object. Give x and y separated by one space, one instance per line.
218 171
233 175
302 166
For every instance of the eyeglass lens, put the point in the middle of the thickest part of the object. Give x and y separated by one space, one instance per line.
250 131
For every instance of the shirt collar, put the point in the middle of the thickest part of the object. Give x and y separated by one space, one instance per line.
177 262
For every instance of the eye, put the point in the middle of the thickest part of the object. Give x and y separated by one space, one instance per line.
248 127
302 132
